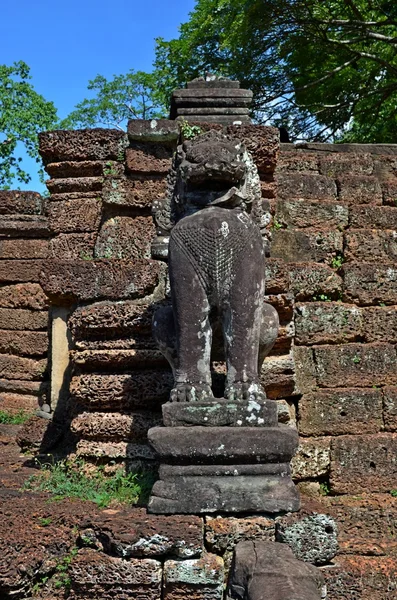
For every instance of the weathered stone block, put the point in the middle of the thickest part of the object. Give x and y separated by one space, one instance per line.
263 143
23 249
346 163
197 579
75 215
363 463
380 324
14 403
310 281
303 214
84 168
135 193
305 186
367 524
15 271
14 202
21 319
91 360
74 184
304 246
15 367
145 389
148 158
33 388
154 130
73 245
341 412
64 280
389 192
276 276
373 217
125 237
223 533
24 226
356 365
297 161
26 343
359 189
327 323
371 246
23 295
82 145
305 369
221 413
115 426
367 283
390 408
95 575
119 451
278 376
312 459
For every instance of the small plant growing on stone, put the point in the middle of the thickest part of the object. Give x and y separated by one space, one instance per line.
189 131
45 521
276 224
356 359
324 489
393 493
322 298
109 169
18 418
337 261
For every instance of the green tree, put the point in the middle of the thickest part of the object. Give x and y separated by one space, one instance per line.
130 96
23 113
325 70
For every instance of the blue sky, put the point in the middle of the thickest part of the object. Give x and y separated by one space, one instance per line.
67 43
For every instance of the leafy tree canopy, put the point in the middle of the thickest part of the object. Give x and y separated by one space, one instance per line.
23 113
131 96
323 69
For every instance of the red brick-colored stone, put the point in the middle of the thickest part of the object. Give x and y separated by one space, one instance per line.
29 248
346 163
74 184
362 577
305 246
305 186
263 143
278 376
373 217
380 324
135 193
276 276
75 215
370 283
390 408
370 245
117 359
125 237
73 245
297 161
23 295
115 426
389 192
17 226
25 343
340 412
23 319
13 403
363 463
148 158
327 323
311 281
14 202
359 189
85 168
303 214
15 367
82 145
356 365
15 271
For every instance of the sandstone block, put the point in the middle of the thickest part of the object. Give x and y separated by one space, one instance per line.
297 161
92 280
23 295
155 130
25 343
115 426
74 184
223 533
312 459
69 246
16 271
368 283
341 412
18 226
145 389
390 408
327 323
23 249
356 365
14 403
363 463
263 143
309 281
303 214
305 186
304 246
346 163
148 158
21 319
367 524
15 367
389 192
373 217
221 413
364 245
380 324
198 579
82 145
95 575
15 202
125 237
75 216
134 193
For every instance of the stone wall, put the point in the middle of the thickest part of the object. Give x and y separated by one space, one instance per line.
24 319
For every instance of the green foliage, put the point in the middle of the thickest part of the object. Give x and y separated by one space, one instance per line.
69 479
189 131
130 96
60 576
324 70
14 419
322 298
356 359
324 489
337 261
276 224
23 113
393 493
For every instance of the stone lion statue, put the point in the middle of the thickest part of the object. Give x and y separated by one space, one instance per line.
216 265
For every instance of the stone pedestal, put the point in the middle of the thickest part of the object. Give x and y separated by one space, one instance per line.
223 456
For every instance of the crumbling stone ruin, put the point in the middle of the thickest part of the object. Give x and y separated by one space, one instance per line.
82 274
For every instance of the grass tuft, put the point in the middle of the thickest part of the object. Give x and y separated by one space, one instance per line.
14 419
